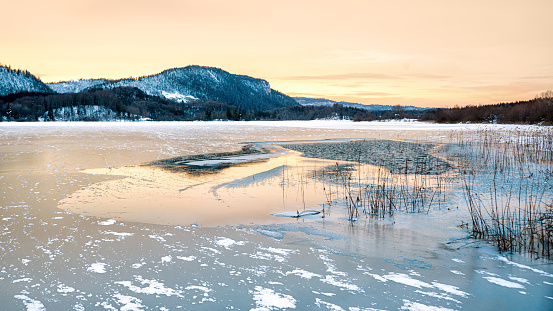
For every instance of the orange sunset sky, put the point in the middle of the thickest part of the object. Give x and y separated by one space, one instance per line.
424 53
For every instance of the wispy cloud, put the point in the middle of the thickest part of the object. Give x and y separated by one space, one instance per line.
367 76
370 94
345 76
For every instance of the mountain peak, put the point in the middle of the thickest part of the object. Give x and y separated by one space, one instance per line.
196 82
13 81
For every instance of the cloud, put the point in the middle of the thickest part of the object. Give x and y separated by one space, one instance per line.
370 94
346 76
367 76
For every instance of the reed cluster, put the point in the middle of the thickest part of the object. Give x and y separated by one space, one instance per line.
380 191
507 183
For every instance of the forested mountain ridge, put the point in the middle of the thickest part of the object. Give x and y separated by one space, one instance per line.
197 82
75 86
306 101
14 81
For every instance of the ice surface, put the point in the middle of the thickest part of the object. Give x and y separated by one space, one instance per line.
57 260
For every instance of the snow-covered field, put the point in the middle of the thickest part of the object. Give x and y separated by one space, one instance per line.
51 259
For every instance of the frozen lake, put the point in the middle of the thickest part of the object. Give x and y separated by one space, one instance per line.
85 226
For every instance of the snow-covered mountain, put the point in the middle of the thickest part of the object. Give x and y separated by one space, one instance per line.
305 101
18 81
75 86
197 82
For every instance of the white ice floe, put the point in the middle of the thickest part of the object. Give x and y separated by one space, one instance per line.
303 274
504 259
280 251
64 289
415 306
22 280
325 294
98 267
268 256
188 258
329 306
406 280
227 243
153 287
120 235
458 260
454 290
138 265
31 304
329 279
438 295
211 250
107 222
166 259
266 299
157 237
129 303
409 281
25 261
457 272
502 282
520 280
197 287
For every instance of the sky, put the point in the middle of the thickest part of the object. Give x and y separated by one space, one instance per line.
427 53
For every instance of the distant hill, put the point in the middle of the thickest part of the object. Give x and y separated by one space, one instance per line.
305 101
18 81
75 86
195 82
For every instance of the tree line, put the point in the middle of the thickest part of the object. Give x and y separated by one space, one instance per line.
535 111
132 104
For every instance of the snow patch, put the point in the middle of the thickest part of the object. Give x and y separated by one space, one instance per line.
107 222
178 97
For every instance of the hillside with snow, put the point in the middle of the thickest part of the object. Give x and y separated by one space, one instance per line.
75 86
197 82
17 81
